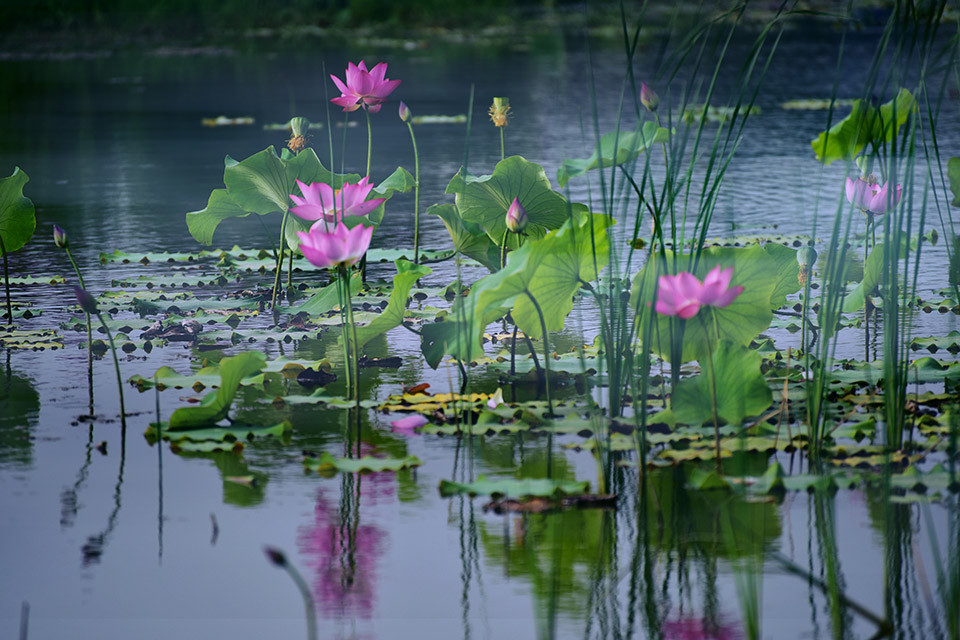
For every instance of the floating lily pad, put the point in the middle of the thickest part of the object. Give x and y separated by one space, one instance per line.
327 465
34 339
514 488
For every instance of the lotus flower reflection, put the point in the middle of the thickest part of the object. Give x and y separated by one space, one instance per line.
367 89
321 201
683 294
342 247
868 195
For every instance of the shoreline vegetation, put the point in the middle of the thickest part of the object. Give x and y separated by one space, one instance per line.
52 27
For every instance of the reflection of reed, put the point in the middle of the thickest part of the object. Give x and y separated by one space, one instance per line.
68 497
93 549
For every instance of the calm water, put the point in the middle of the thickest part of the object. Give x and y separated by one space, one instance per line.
122 544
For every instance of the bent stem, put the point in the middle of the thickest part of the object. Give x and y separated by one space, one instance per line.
546 351
6 280
279 559
416 193
76 269
116 365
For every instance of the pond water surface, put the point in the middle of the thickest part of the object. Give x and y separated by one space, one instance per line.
132 542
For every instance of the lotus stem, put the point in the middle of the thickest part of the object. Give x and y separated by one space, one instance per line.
502 147
279 559
416 194
6 280
546 351
712 379
116 365
503 249
76 269
354 350
276 279
369 140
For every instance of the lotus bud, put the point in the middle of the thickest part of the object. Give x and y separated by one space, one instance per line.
86 301
499 111
275 556
649 97
806 258
298 141
517 219
404 111
60 237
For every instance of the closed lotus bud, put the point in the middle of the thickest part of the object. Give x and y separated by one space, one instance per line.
806 258
275 556
59 236
86 301
404 111
517 219
649 97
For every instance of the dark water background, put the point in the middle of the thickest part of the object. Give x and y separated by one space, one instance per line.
100 548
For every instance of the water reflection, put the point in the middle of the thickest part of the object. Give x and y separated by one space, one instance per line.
343 552
19 407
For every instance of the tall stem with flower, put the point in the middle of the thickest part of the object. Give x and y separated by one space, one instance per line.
89 306
61 240
682 295
499 114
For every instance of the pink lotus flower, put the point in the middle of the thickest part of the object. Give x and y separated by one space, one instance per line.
321 201
649 97
679 295
683 294
868 195
367 89
341 247
414 421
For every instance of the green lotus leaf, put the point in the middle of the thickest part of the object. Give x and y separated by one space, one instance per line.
557 266
753 268
741 389
407 275
514 488
216 405
18 219
484 201
628 145
953 174
865 125
468 238
232 433
873 272
203 223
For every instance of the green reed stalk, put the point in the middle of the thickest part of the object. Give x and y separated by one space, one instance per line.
279 559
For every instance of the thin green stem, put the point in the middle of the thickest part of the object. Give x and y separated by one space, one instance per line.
416 196
354 349
712 378
76 269
503 249
276 280
546 350
502 147
6 280
116 365
369 141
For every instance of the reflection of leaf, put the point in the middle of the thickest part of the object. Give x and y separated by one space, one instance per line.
326 464
17 217
629 145
216 405
484 201
514 488
741 388
19 408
